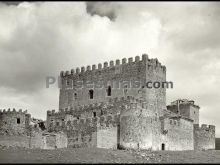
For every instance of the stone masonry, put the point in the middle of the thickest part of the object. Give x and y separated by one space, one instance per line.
120 114
111 106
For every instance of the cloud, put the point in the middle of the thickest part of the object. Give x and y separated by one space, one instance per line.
40 39
108 9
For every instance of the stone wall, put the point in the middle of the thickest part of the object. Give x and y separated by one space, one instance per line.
141 70
177 134
45 140
82 132
14 122
112 107
139 128
14 141
107 137
204 137
187 109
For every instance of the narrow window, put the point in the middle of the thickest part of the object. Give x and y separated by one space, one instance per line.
91 94
18 121
125 89
75 96
58 123
94 114
67 82
170 121
163 146
101 112
109 90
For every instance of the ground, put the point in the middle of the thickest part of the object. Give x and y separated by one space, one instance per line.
95 155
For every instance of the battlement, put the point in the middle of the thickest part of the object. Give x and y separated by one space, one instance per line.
129 100
83 123
130 61
107 121
204 127
183 102
12 110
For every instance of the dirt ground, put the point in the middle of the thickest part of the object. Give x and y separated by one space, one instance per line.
94 155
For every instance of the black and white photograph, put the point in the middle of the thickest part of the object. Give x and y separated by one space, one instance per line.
112 82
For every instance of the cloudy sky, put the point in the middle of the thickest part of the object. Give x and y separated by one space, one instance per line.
40 39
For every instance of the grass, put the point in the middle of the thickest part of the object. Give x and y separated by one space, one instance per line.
95 155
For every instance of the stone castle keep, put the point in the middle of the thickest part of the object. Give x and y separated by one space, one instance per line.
127 117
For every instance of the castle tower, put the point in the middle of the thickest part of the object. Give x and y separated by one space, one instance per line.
14 122
120 79
186 108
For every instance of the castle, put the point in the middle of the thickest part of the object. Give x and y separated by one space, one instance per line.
110 106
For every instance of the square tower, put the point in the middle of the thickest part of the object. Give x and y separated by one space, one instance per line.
185 108
120 79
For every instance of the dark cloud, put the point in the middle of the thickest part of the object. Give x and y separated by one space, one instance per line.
108 9
12 2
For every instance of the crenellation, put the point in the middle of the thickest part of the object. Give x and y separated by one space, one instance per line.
124 61
72 71
130 117
93 67
211 127
88 68
67 73
130 60
13 110
61 73
144 57
77 70
196 126
14 122
111 63
82 69
204 126
117 62
99 66
204 137
105 64
137 58
163 68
